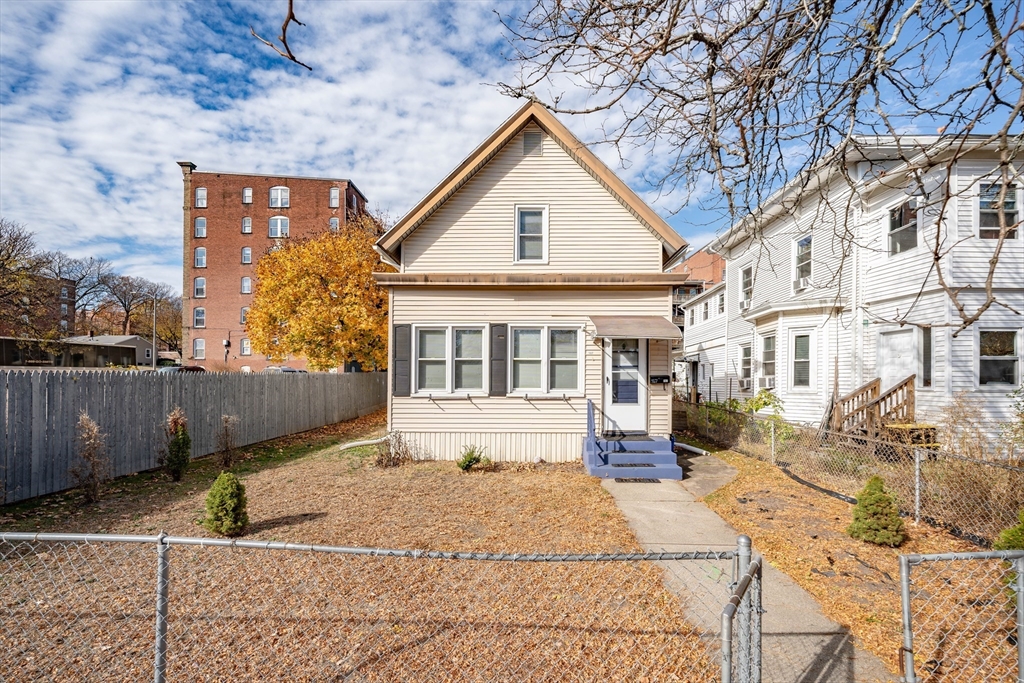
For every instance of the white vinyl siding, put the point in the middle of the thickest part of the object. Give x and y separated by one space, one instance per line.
588 229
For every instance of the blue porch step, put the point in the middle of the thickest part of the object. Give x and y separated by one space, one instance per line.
632 457
638 471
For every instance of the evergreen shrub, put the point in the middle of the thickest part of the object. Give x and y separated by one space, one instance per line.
875 517
225 506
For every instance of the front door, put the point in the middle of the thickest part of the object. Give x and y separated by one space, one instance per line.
625 386
896 358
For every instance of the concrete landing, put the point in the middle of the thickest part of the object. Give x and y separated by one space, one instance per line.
801 644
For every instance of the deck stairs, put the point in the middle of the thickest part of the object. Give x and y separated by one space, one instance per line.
613 457
869 412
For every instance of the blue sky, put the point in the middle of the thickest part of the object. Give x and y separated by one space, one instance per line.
98 100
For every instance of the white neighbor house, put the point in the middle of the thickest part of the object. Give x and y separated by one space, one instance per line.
530 280
806 301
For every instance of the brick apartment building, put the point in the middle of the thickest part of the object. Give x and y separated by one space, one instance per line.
231 219
48 309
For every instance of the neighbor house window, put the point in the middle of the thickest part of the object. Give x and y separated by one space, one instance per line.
279 226
531 234
803 257
246 255
334 224
200 197
990 209
246 285
243 315
247 225
247 195
199 349
64 324
200 260
335 197
998 358
199 317
63 292
721 303
63 309
199 288
545 359
745 362
704 311
926 356
693 316
245 347
149 353
747 284
768 356
200 227
903 228
802 360
279 197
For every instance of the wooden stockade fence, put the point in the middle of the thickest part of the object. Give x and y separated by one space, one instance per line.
39 410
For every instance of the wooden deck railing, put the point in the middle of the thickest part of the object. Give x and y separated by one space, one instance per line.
866 410
850 413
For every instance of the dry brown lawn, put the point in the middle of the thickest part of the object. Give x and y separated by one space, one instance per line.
86 613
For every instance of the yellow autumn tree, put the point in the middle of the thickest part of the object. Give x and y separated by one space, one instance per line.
317 298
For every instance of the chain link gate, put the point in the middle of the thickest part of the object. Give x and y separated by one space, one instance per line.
104 607
963 617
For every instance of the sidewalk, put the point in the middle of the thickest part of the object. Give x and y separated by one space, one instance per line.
801 645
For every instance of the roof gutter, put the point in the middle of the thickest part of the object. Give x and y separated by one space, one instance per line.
386 257
676 258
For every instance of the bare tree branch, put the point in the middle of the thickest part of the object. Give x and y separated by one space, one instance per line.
287 53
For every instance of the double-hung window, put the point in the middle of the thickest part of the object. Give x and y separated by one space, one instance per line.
768 356
704 311
199 317
243 315
531 234
279 197
998 357
449 359
721 303
801 360
247 225
246 349
747 284
200 197
333 223
990 209
200 257
246 254
200 227
247 195
745 362
545 359
903 228
246 285
199 288
335 197
278 226
199 349
693 316
803 258
63 292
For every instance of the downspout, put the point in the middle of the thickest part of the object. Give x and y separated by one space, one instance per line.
386 257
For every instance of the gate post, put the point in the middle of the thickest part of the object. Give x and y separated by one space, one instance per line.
907 652
743 554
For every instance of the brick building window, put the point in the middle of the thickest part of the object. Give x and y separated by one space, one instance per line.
63 309
244 315
199 317
64 325
247 195
279 197
279 226
246 285
200 228
200 260
246 347
335 197
199 349
63 292
199 288
200 197
246 255
246 225
334 224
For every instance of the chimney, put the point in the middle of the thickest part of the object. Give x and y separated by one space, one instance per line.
186 167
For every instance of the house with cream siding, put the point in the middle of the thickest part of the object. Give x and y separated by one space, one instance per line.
836 305
531 292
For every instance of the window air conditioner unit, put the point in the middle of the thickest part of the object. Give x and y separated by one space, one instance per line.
745 305
801 284
766 382
745 384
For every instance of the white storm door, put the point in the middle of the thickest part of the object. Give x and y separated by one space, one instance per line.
625 385
897 359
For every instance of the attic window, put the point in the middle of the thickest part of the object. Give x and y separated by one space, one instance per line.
533 143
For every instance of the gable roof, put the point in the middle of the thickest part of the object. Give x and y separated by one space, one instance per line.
531 112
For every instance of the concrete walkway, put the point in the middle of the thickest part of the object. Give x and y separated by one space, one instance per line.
801 645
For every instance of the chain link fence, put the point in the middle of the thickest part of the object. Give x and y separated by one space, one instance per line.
974 499
963 617
99 607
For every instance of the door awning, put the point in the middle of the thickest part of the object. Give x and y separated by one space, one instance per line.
638 326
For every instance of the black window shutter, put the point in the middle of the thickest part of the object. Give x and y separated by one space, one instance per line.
499 363
401 363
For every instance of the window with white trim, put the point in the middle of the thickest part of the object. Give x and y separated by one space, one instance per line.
334 223
63 309
926 356
200 257
200 228
247 195
989 210
545 359
199 288
450 359
199 317
280 197
63 292
801 360
247 225
531 234
704 311
149 354
721 303
998 357
803 257
246 254
200 197
903 228
693 316
64 324
745 361
278 226
768 356
245 347
335 197
199 349
533 143
468 359
243 315
246 285
747 284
